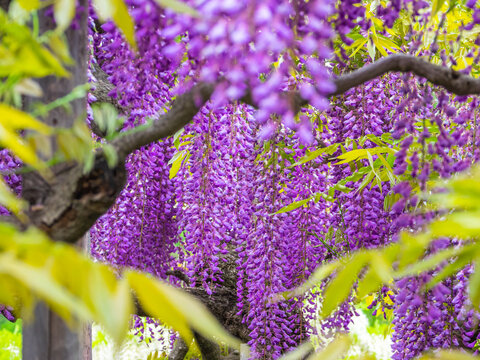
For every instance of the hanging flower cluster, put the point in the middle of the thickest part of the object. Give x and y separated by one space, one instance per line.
237 164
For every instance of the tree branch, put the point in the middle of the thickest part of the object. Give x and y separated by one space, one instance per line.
103 87
187 105
453 81
184 108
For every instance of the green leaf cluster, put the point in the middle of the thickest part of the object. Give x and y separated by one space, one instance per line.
33 267
364 272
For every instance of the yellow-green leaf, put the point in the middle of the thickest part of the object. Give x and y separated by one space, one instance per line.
316 153
299 353
176 162
436 6
369 283
41 283
451 269
117 11
177 309
59 45
449 355
154 301
9 200
341 285
15 119
29 4
178 6
293 206
28 87
112 301
64 10
474 285
335 350
322 272
17 145
360 154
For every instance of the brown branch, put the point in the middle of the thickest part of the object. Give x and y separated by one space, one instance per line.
102 88
187 105
183 109
179 275
453 81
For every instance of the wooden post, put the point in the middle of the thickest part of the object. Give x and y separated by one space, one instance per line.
86 336
48 337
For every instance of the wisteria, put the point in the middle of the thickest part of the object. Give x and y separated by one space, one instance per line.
278 173
235 167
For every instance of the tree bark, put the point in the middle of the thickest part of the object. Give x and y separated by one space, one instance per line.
4 5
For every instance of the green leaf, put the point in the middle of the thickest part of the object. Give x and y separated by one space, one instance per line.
18 146
176 162
42 284
341 285
111 155
292 206
64 11
332 250
449 355
389 200
10 200
316 153
178 6
359 44
298 353
112 301
29 87
474 285
321 273
379 46
118 12
177 309
335 350
372 166
29 4
369 283
15 119
360 154
463 225
77 288
367 180
412 248
22 54
451 269
106 117
58 43
382 263
177 136
436 6
78 92
431 262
